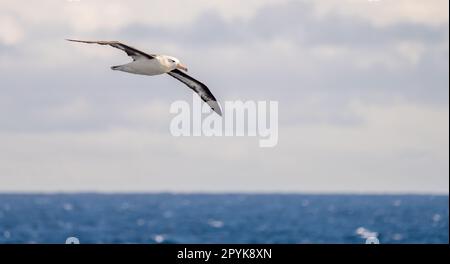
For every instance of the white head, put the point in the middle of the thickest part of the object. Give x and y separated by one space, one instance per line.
174 63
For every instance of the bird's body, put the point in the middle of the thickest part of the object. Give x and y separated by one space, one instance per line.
160 64
145 67
152 64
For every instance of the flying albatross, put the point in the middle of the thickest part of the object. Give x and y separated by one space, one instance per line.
153 64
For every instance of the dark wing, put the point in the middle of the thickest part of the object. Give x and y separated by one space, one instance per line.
130 51
199 88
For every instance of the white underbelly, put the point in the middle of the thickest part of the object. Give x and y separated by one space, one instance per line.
145 67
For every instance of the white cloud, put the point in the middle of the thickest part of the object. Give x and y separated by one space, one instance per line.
384 13
398 148
10 31
88 16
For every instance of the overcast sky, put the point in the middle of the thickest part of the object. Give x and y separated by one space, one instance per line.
362 89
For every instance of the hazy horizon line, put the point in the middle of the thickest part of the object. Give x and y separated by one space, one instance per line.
221 193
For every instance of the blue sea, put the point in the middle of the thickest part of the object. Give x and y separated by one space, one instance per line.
224 218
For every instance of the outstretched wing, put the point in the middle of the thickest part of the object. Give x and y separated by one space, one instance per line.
201 89
130 51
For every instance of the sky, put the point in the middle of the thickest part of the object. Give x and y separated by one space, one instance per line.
362 87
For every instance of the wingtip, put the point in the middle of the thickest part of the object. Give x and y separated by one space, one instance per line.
215 107
218 111
74 40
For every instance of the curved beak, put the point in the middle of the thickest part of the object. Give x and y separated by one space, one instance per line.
182 67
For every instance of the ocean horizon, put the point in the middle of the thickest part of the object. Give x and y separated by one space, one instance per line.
150 218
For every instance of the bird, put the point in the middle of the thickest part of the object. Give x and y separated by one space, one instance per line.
156 64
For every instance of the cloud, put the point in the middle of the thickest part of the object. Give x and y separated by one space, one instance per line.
93 16
11 32
400 148
384 13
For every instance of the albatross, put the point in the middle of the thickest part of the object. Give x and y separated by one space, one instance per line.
156 64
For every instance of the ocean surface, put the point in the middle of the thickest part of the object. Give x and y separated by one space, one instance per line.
233 218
